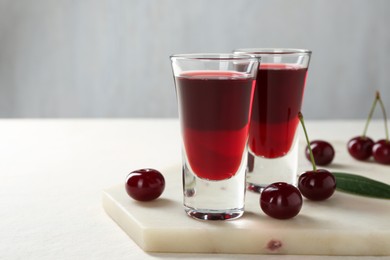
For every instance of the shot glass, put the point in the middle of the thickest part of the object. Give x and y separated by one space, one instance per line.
273 135
214 95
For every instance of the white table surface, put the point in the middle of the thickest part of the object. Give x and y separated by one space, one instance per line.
52 173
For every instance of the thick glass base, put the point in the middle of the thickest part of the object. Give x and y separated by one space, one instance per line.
214 214
264 171
214 200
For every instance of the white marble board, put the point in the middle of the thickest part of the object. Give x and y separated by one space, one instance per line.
343 225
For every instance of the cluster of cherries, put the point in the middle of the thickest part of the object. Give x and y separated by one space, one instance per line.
283 201
363 147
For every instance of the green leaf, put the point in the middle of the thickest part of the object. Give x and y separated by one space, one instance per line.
360 185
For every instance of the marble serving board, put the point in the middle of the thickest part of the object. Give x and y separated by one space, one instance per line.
343 225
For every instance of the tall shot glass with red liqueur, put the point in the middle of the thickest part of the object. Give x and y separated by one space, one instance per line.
214 95
273 135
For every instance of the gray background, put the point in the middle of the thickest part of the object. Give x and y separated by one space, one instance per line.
95 58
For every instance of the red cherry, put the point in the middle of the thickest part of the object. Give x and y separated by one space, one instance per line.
381 151
360 147
317 185
281 200
145 184
323 152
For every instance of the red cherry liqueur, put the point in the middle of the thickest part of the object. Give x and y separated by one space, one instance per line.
215 108
277 101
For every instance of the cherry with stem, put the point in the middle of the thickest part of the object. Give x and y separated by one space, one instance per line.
360 147
318 184
381 149
323 152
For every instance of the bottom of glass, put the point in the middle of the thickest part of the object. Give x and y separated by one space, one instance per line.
265 171
214 214
214 200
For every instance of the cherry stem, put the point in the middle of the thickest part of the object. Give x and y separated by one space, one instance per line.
384 115
370 114
300 116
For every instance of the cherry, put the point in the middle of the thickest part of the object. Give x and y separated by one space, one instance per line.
360 147
281 200
145 184
381 149
317 184
323 152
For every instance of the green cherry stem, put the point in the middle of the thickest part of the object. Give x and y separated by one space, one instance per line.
384 115
300 116
377 96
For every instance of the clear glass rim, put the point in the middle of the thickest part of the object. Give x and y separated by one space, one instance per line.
215 56
271 51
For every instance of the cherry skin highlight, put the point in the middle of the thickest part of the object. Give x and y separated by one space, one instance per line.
323 152
145 184
281 200
317 185
381 151
360 147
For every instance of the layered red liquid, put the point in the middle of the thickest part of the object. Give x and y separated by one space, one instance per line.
214 108
277 101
